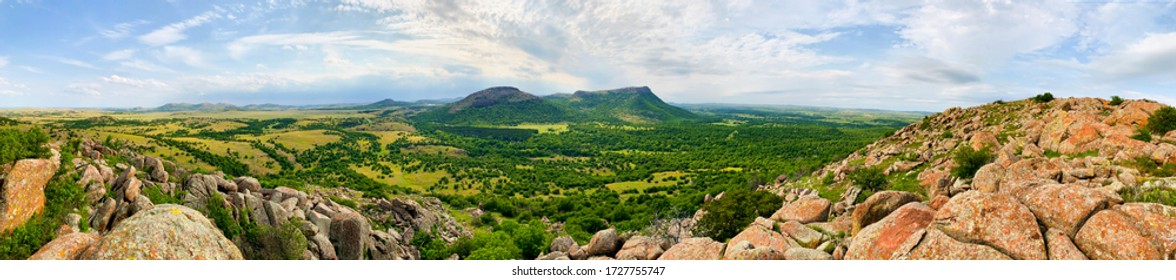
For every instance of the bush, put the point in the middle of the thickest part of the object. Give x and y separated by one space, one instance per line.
869 178
1142 135
969 160
738 208
1044 97
265 242
1162 121
1116 100
62 195
1152 195
16 145
494 246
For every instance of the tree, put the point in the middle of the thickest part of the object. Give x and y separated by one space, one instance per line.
1116 100
869 178
1044 97
969 160
738 208
1162 121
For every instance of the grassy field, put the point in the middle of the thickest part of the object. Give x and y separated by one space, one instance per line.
555 128
419 181
259 163
668 178
300 140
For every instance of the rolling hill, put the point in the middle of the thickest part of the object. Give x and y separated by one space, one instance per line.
509 105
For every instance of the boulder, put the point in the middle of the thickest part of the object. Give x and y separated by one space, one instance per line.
806 254
23 191
640 248
564 244
807 209
878 206
760 234
1155 221
66 247
349 234
935 181
936 245
746 251
938 202
803 235
698 248
604 243
554 256
893 236
1111 235
321 245
1066 207
997 220
1061 247
988 177
166 232
103 214
248 183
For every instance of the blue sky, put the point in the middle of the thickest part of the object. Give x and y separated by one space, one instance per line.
899 55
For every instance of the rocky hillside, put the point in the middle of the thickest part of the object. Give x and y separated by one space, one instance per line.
208 216
1076 178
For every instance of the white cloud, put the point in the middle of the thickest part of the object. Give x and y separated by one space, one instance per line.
76 62
83 88
3 61
1153 55
988 33
141 65
121 30
9 92
185 55
139 83
119 55
175 32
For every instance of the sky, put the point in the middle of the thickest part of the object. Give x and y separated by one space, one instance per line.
893 54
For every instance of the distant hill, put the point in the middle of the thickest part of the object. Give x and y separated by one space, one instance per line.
176 107
497 105
631 104
509 105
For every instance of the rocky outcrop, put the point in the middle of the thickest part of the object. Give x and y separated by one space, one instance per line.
604 243
745 250
167 232
1112 235
640 248
893 236
760 234
936 245
996 220
808 209
349 233
806 254
66 247
698 248
878 206
23 192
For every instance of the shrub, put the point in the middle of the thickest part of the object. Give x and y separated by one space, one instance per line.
1152 195
62 195
869 178
1044 97
1116 100
1162 121
969 160
494 246
1142 135
16 144
738 208
265 242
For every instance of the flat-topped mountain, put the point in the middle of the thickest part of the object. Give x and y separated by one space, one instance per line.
509 105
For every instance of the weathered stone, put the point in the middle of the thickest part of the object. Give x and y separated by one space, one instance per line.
988 177
256 207
744 250
803 235
554 256
640 248
23 192
248 183
1155 221
893 236
938 202
806 254
760 234
1061 247
564 244
604 243
1066 207
103 214
277 215
66 247
322 244
167 232
878 206
698 248
935 181
936 245
349 234
1111 235
997 220
807 209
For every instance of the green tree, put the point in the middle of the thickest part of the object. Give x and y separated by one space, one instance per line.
738 208
869 178
1162 121
969 160
1116 100
1044 97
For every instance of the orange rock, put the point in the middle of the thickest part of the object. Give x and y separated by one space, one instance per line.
66 247
935 181
1061 247
1066 207
808 209
938 202
1155 221
698 248
23 192
997 220
760 235
1111 235
879 206
893 236
936 245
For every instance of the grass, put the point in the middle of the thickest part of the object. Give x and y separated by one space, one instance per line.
1153 195
555 128
419 181
434 150
259 162
668 178
301 140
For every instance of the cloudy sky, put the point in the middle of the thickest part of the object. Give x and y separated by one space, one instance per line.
903 55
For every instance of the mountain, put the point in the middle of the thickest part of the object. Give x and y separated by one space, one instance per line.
176 107
509 105
631 104
1073 178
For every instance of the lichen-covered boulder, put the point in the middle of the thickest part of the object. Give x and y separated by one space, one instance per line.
807 209
698 248
23 191
997 220
166 232
66 247
878 206
604 243
1111 235
893 236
